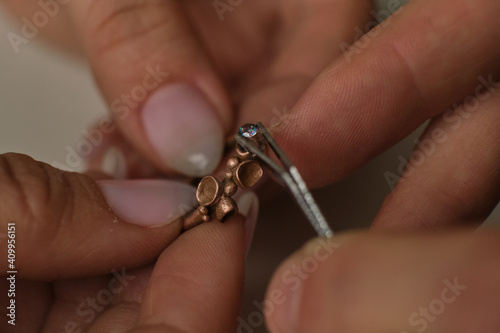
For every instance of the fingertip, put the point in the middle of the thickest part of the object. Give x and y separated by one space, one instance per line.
54 210
202 273
163 91
294 285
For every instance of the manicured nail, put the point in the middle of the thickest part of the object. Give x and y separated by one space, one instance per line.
183 128
248 206
148 203
114 164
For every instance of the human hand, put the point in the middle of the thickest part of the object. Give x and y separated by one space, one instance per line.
101 256
172 71
389 282
416 65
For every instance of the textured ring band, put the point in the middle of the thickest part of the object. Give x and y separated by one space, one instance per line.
215 196
244 170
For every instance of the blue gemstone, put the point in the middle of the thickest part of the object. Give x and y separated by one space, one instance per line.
248 130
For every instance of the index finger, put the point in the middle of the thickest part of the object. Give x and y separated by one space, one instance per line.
422 60
197 282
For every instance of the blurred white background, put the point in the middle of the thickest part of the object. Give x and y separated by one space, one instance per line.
47 99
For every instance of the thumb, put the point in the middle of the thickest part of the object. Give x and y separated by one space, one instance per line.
389 282
162 90
66 225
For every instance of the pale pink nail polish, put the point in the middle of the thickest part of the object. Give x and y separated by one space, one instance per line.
148 203
184 129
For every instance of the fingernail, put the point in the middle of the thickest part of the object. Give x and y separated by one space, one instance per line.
148 203
183 128
114 164
248 206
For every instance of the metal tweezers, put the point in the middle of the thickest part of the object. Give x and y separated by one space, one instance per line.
291 177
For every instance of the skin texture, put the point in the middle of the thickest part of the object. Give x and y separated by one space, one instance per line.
344 110
253 60
379 282
71 247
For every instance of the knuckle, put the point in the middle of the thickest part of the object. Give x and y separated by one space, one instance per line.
40 199
27 186
112 25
